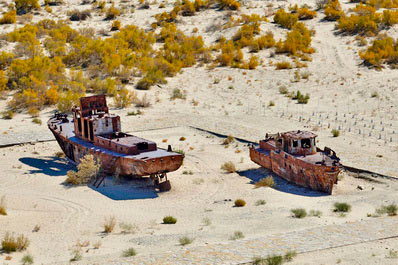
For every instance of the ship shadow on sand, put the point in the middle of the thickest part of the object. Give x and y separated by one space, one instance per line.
48 165
126 189
280 184
122 189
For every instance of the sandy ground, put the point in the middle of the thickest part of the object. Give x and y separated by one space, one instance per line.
232 102
32 182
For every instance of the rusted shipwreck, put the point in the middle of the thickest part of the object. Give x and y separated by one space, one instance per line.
294 156
93 130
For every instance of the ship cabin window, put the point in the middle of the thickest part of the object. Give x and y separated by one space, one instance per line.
295 143
306 143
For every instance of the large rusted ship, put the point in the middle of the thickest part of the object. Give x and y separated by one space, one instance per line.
294 156
93 130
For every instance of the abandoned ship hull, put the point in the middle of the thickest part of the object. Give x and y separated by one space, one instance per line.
314 176
144 164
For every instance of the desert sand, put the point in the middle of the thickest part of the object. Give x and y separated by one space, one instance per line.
226 101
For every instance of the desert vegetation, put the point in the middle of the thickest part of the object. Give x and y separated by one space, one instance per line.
169 220
239 203
3 206
12 243
87 170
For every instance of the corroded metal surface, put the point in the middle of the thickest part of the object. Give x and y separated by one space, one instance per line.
304 165
98 133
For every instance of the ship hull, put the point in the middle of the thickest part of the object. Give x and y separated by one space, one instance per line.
313 176
125 165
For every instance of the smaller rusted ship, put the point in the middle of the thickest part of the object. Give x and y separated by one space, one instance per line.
93 130
294 156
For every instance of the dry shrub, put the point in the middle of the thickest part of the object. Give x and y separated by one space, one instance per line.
230 139
142 102
87 170
124 98
24 6
297 42
229 167
112 13
77 15
109 224
115 25
283 65
10 243
304 13
239 203
228 4
9 17
265 182
3 206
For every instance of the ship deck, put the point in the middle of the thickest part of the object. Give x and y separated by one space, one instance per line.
68 132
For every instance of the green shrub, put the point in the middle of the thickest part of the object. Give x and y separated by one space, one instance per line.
299 212
237 235
130 252
341 207
315 213
289 256
177 93
185 240
390 209
27 259
169 220
260 202
274 260
239 203
335 133
8 115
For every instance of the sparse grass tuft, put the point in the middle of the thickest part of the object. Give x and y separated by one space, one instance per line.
36 121
230 139
109 224
265 182
229 167
289 256
315 213
260 202
10 243
3 206
240 203
390 210
299 212
169 220
237 235
27 259
206 221
130 252
341 207
128 228
178 94
185 240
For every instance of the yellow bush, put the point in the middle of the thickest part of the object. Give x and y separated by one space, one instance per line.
115 25
67 100
9 18
244 36
87 170
228 4
200 4
10 243
390 18
112 13
188 8
284 19
304 13
5 59
52 95
381 51
124 98
3 81
24 6
263 42
297 41
383 3
253 62
283 65
333 10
